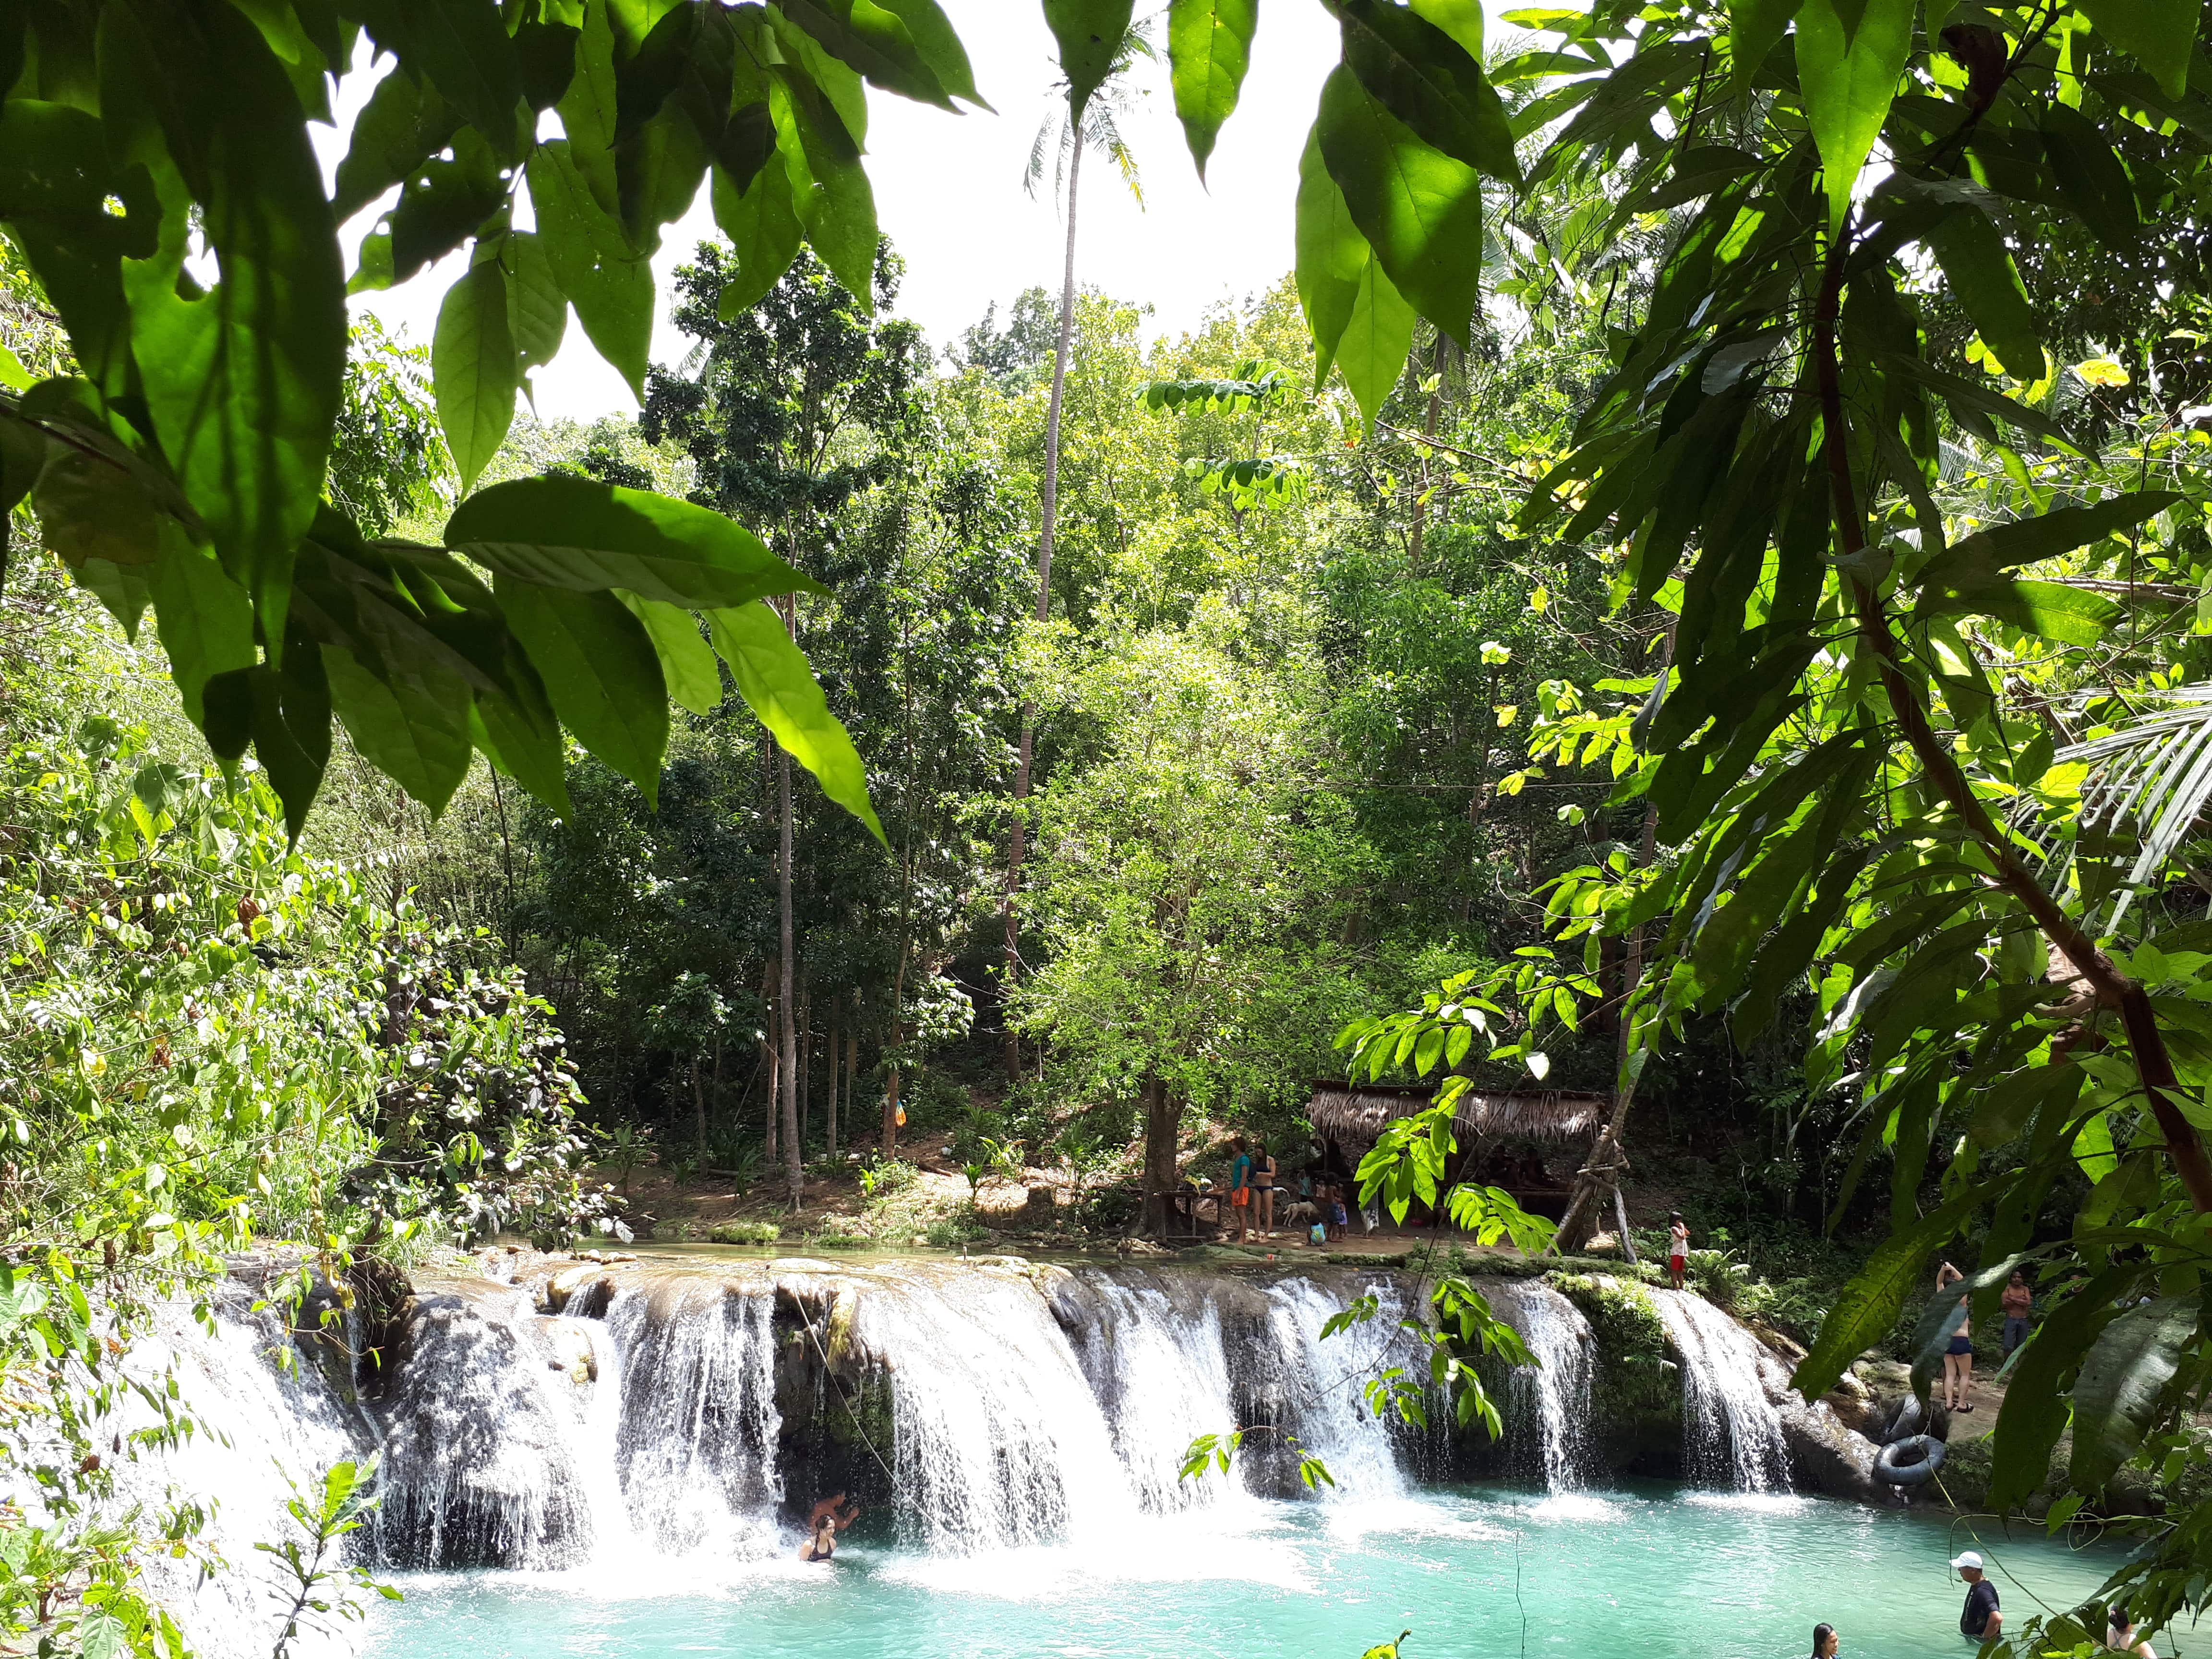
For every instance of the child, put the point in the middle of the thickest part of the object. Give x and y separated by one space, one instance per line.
1339 1219
1678 1248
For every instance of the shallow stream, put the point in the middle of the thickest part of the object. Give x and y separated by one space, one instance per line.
1655 1572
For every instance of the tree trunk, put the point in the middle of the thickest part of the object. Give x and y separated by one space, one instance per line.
837 1021
786 1012
769 1148
698 1112
1049 516
1163 1130
805 1057
852 1059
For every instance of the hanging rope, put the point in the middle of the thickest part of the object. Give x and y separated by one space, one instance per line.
859 1427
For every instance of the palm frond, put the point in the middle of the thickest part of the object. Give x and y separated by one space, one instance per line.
2154 775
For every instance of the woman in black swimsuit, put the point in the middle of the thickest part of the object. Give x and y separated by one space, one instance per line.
823 1545
1263 1188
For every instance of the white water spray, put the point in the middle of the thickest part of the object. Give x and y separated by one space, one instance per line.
1731 1431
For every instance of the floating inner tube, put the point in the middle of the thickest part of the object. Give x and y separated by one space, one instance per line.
1904 1421
1909 1461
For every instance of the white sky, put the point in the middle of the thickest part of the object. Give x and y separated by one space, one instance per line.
949 195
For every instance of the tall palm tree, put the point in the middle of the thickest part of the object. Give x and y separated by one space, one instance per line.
1063 137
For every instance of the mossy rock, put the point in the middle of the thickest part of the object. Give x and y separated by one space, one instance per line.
1636 1392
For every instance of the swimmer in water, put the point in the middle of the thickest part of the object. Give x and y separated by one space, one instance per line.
822 1547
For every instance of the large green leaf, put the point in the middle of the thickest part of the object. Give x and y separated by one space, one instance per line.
1424 78
774 678
2091 177
835 202
761 223
686 661
2056 612
56 185
2045 535
413 725
243 381
609 286
464 50
2160 34
1420 209
2121 1390
1755 28
1209 49
585 536
526 747
474 368
1089 33
2034 1411
538 311
1866 1309
444 202
205 619
402 124
1981 274
1360 323
874 41
1850 54
589 107
935 38
599 669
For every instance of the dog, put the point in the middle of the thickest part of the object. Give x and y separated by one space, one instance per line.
1303 1210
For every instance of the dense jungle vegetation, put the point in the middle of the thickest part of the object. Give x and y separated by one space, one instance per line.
1719 623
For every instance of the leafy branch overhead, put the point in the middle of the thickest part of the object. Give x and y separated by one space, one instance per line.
157 172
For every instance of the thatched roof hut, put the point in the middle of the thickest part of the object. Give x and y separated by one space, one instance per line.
1352 1113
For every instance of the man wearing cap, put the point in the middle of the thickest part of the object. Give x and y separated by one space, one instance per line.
1981 1622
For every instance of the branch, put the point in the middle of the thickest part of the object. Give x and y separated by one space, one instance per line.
2114 989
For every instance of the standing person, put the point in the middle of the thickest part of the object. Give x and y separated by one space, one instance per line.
1959 1356
1678 1248
1980 1621
2019 1301
1339 1218
1826 1642
1263 1188
1240 1187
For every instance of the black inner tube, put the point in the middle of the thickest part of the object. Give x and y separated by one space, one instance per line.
1909 1461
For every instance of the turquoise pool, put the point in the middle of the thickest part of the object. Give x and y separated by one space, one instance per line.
1655 1572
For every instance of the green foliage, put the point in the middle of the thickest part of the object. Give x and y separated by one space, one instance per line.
320 1596
746 1232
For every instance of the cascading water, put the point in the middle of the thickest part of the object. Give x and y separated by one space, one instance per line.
261 1430
1548 1404
1731 1432
695 1418
488 1462
1161 1376
1319 1381
998 1439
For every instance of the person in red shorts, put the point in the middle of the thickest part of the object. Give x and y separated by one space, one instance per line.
1240 1187
1678 1248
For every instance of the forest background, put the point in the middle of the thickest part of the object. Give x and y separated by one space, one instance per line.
1336 699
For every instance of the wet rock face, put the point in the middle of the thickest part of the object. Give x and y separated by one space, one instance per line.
478 1410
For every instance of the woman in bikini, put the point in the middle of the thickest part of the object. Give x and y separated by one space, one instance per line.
822 1547
1959 1356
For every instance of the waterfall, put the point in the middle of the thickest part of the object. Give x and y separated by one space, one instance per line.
1320 1384
1731 1431
998 1439
694 1421
489 1461
1161 1376
261 1428
1548 1404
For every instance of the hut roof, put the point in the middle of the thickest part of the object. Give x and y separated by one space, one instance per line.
1346 1111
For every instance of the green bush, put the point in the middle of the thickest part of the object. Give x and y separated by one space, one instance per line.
746 1232
950 1233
